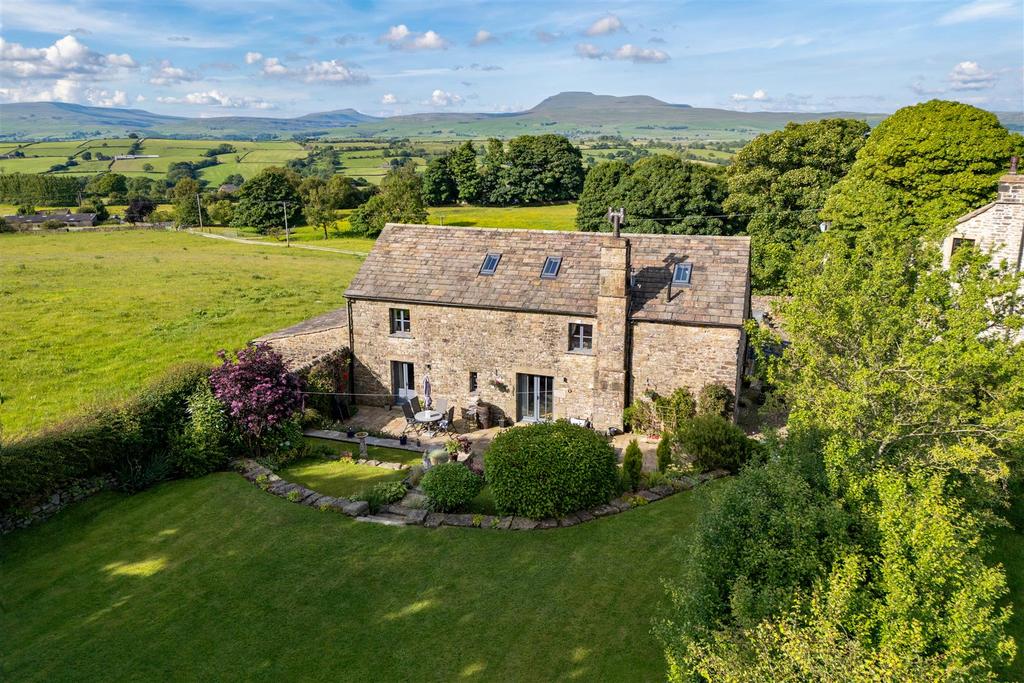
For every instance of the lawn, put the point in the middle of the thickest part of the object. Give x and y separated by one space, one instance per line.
213 579
339 478
91 317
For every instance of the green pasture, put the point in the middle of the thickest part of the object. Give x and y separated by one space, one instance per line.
89 318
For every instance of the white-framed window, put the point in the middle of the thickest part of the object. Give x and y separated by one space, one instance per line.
551 266
681 273
400 321
581 337
490 264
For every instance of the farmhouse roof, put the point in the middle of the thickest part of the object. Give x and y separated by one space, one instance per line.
441 265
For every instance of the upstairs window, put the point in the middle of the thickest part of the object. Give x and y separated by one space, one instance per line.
551 266
473 382
681 273
581 337
400 322
490 264
960 243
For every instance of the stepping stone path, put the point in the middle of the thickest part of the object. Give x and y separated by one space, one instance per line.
412 508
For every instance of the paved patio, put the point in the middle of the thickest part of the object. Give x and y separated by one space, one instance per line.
378 419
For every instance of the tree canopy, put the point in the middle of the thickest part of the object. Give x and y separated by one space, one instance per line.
399 201
266 198
661 194
777 184
922 167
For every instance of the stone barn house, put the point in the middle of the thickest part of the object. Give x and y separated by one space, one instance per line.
996 228
544 325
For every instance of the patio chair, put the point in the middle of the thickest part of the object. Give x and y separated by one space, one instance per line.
447 423
441 405
410 419
415 403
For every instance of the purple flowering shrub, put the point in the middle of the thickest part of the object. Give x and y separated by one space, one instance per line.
258 392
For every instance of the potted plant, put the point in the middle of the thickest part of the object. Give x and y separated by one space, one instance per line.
403 439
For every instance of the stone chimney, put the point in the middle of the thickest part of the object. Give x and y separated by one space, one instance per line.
1011 185
610 337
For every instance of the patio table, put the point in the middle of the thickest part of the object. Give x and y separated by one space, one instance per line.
429 417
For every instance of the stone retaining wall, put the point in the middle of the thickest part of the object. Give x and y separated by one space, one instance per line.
52 504
396 515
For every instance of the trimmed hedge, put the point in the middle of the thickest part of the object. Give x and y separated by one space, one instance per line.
133 442
550 469
450 486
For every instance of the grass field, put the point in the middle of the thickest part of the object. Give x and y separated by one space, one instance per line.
91 317
213 579
549 217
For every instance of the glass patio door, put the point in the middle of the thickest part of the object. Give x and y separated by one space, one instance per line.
534 397
403 382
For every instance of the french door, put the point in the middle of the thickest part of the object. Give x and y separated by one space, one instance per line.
403 381
534 397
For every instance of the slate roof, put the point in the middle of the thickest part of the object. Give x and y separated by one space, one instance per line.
303 344
441 265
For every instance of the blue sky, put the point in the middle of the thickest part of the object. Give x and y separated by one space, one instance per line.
214 58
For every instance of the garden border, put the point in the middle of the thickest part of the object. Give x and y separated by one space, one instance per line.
398 515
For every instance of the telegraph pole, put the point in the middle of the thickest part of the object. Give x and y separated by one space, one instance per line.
199 206
616 218
284 209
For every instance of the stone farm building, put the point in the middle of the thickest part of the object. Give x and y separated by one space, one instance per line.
543 324
996 228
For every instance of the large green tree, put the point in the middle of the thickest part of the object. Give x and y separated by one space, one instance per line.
537 168
266 198
661 194
777 184
601 191
463 167
922 167
438 182
400 201
188 211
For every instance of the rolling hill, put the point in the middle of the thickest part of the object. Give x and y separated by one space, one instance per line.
567 113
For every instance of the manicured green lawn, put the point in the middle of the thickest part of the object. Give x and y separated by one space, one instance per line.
90 317
1009 549
339 478
213 579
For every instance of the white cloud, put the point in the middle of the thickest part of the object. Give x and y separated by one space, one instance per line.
272 66
483 37
253 57
589 51
970 76
66 90
979 10
401 38
758 95
442 98
639 55
390 98
218 99
333 71
628 52
66 58
605 26
546 36
168 74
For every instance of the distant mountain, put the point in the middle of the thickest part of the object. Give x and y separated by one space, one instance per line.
567 113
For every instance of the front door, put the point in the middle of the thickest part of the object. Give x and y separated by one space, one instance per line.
534 397
403 382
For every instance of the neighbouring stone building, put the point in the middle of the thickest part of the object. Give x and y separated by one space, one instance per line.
543 324
996 228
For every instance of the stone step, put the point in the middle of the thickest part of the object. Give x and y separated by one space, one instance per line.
386 519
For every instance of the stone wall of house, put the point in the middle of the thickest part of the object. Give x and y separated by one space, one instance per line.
667 356
456 341
997 228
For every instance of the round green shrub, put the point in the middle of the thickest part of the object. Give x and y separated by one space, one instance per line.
715 443
550 469
450 486
715 399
